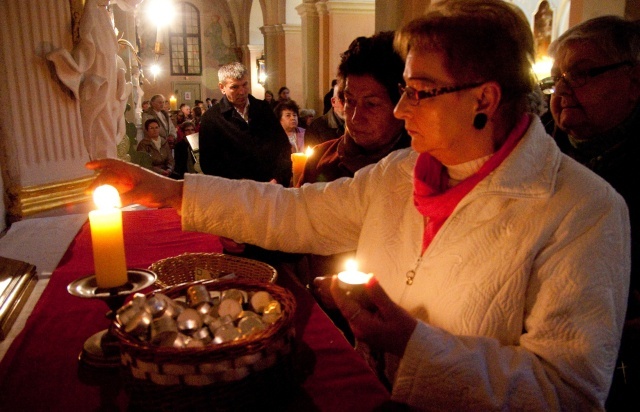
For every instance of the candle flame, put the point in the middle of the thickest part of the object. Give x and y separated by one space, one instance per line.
351 265
309 151
106 197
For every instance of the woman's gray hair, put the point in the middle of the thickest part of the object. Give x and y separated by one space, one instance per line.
233 71
307 112
615 37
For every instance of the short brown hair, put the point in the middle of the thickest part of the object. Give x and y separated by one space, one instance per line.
287 105
482 40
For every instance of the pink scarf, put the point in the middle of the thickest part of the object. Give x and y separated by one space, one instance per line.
435 201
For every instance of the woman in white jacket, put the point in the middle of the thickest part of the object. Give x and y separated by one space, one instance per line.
501 266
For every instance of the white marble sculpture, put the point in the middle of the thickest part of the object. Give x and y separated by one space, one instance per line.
95 74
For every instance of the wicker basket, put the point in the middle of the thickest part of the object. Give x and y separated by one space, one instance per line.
228 376
184 268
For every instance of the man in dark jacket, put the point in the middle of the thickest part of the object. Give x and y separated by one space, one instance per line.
240 137
328 126
596 109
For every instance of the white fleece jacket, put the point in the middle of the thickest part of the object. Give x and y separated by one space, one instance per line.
521 295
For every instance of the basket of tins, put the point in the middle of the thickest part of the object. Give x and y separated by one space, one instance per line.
215 344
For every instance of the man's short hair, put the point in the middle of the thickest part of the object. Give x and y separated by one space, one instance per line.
615 37
231 71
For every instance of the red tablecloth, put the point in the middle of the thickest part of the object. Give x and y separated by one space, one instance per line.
40 370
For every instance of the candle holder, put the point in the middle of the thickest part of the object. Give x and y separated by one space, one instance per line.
101 349
353 283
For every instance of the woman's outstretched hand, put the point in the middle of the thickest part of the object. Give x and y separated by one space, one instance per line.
383 325
136 184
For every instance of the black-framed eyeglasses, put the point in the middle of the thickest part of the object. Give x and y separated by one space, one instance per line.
414 96
578 78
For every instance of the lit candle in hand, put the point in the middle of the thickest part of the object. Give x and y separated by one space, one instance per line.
173 103
353 283
107 239
299 161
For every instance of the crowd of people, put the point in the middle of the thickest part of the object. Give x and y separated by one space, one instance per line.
503 267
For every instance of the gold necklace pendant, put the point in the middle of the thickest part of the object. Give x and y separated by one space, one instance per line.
412 273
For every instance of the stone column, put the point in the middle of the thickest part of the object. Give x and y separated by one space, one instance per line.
253 53
275 56
311 79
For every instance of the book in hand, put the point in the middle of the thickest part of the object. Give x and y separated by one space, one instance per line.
17 280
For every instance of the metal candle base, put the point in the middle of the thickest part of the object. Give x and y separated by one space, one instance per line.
101 349
353 284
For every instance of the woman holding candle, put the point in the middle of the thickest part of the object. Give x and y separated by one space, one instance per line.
501 266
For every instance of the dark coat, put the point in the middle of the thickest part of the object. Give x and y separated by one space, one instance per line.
232 148
325 127
341 157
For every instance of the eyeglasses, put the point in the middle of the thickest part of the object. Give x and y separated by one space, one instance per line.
579 78
414 96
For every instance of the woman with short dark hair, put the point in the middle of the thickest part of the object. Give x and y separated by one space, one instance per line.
157 146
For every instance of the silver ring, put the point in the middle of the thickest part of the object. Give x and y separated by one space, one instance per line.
355 315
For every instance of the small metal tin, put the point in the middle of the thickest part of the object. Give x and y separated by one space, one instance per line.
259 300
202 335
203 308
157 306
272 312
197 294
249 325
138 299
189 321
139 325
126 313
163 328
235 294
230 307
226 333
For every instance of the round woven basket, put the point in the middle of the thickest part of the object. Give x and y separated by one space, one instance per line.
227 376
189 267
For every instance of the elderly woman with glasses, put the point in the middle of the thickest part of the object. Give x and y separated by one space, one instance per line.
596 108
500 265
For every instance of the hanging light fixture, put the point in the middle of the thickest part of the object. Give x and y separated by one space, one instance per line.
262 70
160 13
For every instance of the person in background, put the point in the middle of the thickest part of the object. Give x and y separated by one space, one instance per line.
200 104
268 97
283 94
162 116
145 105
288 113
370 94
596 109
327 97
197 116
157 146
240 136
306 117
208 102
500 264
184 161
330 125
184 114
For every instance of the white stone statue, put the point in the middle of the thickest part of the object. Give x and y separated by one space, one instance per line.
95 74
